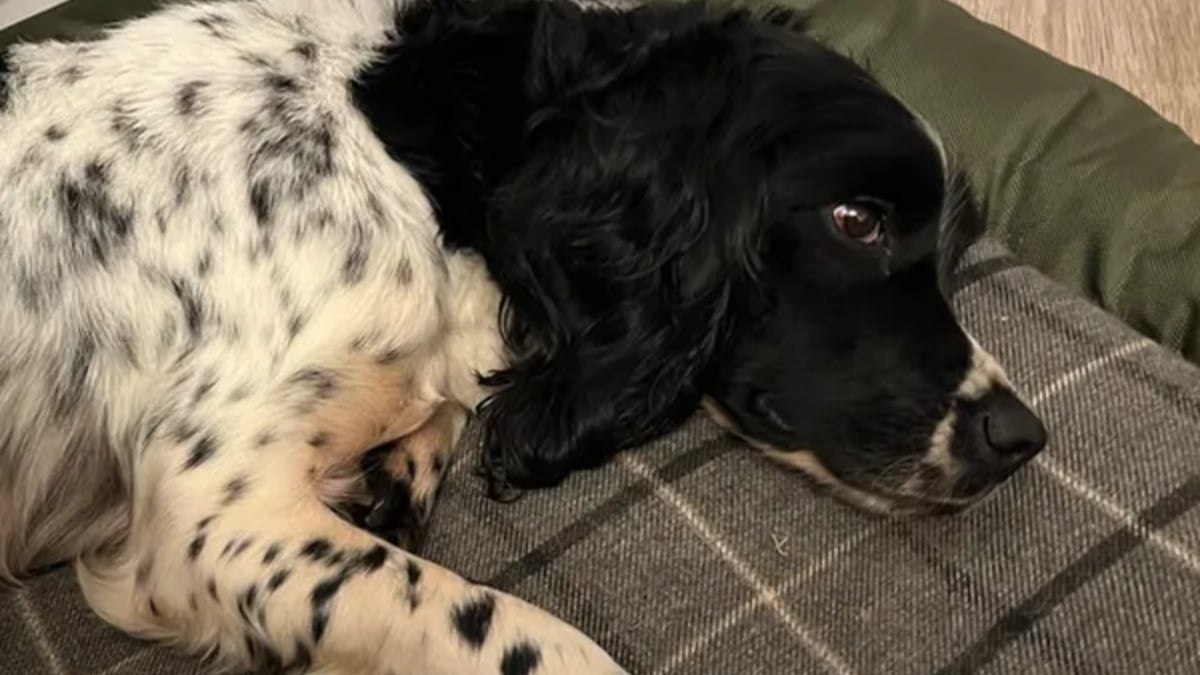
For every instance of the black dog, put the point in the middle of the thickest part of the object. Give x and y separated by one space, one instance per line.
678 203
243 243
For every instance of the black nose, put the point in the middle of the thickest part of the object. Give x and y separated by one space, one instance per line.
1008 427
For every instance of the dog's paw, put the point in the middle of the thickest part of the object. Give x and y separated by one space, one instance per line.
397 496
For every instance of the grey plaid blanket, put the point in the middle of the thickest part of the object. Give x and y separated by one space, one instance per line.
694 556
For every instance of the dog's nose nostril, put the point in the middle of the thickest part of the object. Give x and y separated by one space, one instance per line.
1009 427
1007 442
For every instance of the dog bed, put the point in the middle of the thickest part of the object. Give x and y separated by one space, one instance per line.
695 556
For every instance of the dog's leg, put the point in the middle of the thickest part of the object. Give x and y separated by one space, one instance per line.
403 477
233 550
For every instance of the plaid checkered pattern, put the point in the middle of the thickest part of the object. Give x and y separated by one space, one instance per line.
694 555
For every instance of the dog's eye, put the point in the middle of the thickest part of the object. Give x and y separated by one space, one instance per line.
861 222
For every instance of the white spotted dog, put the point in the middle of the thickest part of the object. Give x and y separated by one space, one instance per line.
261 259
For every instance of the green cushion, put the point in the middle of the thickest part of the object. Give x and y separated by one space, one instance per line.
1082 180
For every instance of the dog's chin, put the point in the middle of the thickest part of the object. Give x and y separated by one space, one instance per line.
876 501
881 501
896 503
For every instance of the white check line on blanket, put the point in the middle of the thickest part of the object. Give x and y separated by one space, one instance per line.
831 660
737 616
1081 488
38 630
1112 509
123 665
1074 376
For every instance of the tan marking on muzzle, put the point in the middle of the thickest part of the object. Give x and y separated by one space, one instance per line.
984 374
806 462
722 419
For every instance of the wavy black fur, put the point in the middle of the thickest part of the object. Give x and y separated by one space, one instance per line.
645 185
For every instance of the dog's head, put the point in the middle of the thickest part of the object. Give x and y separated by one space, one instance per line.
709 206
844 358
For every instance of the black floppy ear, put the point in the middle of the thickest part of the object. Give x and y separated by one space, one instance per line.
617 247
614 305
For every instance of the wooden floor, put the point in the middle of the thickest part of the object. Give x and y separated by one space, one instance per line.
1150 47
